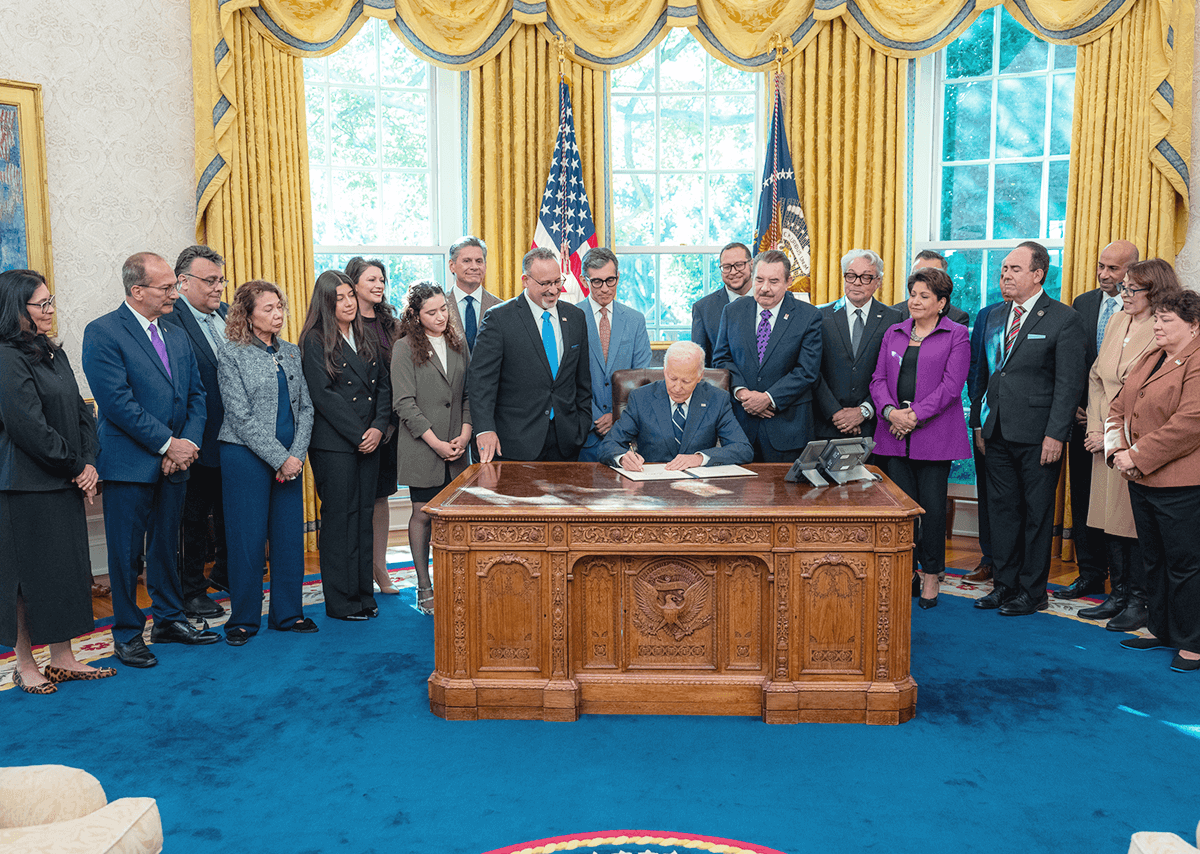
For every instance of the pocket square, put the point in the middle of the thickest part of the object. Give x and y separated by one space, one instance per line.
1031 335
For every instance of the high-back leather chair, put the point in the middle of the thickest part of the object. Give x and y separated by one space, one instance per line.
625 381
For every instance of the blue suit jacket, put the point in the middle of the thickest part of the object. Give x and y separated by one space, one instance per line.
628 347
647 418
706 321
141 407
789 370
206 361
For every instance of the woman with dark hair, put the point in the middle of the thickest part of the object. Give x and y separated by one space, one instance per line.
268 422
369 278
352 399
1152 437
1128 336
47 469
917 390
429 369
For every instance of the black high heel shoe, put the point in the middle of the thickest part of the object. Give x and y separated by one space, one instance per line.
926 604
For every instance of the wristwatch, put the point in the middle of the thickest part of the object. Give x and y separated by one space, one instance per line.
865 410
887 410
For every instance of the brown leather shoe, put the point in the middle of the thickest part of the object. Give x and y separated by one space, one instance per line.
981 573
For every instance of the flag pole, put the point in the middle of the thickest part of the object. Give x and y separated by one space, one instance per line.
564 264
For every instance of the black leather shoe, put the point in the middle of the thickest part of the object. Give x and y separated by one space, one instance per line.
1134 617
1143 643
134 653
370 613
304 626
1184 665
1110 607
1022 605
926 604
237 637
349 617
1080 587
995 599
202 606
177 632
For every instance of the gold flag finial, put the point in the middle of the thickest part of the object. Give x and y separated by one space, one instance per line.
560 42
780 44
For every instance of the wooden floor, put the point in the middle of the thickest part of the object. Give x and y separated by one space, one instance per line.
960 552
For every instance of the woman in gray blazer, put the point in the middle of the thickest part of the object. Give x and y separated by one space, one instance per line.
429 370
268 422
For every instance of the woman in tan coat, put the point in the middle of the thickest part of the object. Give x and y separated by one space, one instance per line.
429 370
1128 336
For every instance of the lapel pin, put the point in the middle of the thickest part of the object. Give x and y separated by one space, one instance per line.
1040 313
785 317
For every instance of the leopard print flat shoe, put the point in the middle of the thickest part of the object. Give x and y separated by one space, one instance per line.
44 688
61 674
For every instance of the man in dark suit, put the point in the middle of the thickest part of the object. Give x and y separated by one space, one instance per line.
678 420
467 299
1032 375
851 334
147 387
929 258
706 312
975 387
771 345
1095 307
200 278
529 382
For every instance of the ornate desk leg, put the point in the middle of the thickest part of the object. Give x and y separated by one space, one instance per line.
560 698
892 697
781 696
452 693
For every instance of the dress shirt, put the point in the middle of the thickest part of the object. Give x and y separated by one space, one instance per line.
439 348
1120 303
866 316
349 339
146 324
202 320
774 315
460 299
537 321
594 308
1026 307
732 294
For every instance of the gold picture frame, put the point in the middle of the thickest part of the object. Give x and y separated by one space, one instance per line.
24 192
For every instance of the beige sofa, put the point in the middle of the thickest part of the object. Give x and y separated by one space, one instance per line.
63 810
1160 842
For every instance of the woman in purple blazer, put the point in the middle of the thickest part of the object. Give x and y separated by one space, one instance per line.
917 390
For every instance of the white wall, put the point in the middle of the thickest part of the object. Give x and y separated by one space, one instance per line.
116 79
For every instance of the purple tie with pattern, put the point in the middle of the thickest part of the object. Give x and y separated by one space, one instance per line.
160 347
764 333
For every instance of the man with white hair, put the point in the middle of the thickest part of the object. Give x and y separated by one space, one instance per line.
678 420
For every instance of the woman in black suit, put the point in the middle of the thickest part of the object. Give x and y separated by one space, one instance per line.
47 456
352 399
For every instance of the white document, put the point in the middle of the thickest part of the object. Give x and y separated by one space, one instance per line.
658 471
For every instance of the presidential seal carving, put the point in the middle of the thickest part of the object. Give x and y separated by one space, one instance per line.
673 598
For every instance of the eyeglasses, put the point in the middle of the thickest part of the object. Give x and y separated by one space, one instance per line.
555 283
212 281
736 265
1128 291
166 289
44 305
865 278
610 282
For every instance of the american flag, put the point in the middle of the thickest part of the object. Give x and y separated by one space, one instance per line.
781 221
565 224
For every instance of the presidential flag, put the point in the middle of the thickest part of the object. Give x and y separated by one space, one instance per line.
565 224
781 223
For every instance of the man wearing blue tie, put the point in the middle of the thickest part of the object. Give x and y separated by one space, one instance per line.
467 300
617 339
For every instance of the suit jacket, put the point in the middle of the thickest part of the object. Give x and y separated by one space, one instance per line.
428 397
1157 419
511 388
141 406
789 370
952 311
1087 305
348 404
251 393
1033 393
977 382
47 433
845 379
628 347
206 361
486 300
647 419
706 321
942 364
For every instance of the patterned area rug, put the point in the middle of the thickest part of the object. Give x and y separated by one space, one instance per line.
635 842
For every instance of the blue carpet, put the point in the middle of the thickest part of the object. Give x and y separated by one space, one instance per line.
1032 734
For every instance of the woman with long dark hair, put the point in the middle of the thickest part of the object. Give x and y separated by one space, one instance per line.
429 370
348 384
369 278
47 469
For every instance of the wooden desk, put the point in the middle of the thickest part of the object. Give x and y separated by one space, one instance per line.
563 588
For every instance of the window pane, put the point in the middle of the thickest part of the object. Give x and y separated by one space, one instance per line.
314 70
1021 117
681 285
357 62
968 122
638 77
681 63
353 128
1064 56
682 132
682 209
1020 50
731 132
1053 283
405 129
638 281
726 78
318 139
398 65
1016 210
354 203
1056 213
964 202
319 179
965 268
633 209
633 134
729 202
404 210
1062 109
970 55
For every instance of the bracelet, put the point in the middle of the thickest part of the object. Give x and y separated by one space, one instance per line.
887 411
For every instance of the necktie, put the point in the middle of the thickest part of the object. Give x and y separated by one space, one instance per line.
856 332
764 333
1110 305
214 336
678 420
470 326
605 331
160 347
1014 329
551 348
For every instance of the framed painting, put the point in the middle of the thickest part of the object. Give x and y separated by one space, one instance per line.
24 195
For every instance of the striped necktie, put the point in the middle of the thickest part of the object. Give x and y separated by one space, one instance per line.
1013 330
678 420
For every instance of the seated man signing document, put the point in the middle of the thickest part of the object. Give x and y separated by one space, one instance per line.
677 420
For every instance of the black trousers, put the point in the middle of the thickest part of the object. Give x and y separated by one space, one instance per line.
1021 508
1091 551
985 526
1167 519
925 482
346 484
203 498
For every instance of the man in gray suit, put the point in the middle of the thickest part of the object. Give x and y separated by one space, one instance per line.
467 298
929 258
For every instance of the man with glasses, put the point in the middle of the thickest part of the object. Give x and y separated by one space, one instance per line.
200 278
929 258
706 312
529 382
617 339
467 299
851 335
147 387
